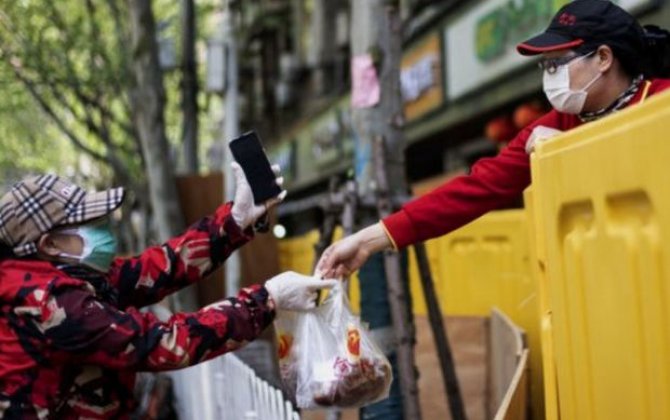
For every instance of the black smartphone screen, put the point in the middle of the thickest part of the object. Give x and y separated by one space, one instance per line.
248 152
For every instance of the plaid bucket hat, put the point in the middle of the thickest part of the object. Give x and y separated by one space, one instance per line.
38 204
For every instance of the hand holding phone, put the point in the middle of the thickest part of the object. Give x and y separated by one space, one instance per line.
257 183
248 152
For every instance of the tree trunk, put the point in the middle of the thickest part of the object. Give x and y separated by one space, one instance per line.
324 17
376 31
231 130
189 88
148 102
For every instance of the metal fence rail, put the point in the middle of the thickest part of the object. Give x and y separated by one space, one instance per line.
227 389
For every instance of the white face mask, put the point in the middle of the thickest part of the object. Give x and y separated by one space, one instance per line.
557 88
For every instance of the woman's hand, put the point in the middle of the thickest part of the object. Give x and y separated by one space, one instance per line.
245 212
347 255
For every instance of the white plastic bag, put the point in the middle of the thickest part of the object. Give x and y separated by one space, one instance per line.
327 359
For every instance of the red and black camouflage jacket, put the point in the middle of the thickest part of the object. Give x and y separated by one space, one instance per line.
71 341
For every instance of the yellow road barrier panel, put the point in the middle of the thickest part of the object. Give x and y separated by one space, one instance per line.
602 203
486 264
547 407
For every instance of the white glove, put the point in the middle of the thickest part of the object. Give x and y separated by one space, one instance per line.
296 292
244 211
538 135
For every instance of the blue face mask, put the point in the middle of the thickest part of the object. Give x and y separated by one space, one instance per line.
99 246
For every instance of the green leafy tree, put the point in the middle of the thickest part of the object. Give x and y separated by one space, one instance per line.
25 135
70 58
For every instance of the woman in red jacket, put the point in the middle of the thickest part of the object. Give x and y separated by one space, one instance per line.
597 59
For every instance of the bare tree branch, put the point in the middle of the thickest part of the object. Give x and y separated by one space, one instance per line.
76 141
90 100
122 39
111 158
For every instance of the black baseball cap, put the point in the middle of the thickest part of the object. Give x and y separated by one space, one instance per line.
588 24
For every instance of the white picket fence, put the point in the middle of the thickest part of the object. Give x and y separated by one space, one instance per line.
226 388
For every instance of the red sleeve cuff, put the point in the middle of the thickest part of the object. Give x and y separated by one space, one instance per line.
400 229
224 218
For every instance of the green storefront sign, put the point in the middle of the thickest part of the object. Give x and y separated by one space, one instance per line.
511 23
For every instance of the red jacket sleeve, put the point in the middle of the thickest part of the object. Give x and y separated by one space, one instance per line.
185 259
77 327
492 183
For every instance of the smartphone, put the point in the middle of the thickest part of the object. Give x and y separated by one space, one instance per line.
248 152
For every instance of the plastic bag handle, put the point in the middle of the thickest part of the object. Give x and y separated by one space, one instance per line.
334 304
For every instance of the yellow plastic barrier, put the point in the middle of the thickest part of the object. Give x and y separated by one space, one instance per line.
602 203
548 368
297 253
486 264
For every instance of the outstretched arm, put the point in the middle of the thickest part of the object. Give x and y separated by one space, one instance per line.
183 260
76 326
493 183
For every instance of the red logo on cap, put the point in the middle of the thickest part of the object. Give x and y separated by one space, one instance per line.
567 19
